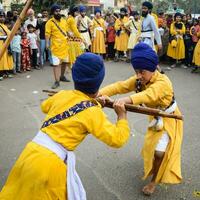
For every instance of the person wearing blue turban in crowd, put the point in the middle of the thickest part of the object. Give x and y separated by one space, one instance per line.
84 24
149 27
75 39
162 143
98 32
46 168
122 35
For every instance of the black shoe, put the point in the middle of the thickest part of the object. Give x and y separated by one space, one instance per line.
37 67
64 79
194 70
55 85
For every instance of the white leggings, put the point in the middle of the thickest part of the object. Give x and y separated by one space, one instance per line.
163 142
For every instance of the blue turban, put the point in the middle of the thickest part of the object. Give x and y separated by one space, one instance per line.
82 9
147 4
88 73
55 7
97 10
123 10
143 57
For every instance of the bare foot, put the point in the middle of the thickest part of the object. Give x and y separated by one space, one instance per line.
149 189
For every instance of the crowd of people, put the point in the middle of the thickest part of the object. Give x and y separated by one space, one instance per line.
72 114
112 35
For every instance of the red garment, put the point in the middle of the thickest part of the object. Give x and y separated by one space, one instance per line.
110 34
196 29
169 22
25 55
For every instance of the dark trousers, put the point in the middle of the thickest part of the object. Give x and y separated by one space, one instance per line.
34 58
189 49
111 50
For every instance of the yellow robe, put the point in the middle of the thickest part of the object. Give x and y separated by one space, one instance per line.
177 52
59 46
158 93
41 174
135 32
6 62
155 18
74 46
196 56
98 42
121 41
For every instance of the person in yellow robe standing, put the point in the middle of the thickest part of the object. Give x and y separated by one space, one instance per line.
176 47
46 168
56 30
75 42
6 62
98 31
162 143
121 39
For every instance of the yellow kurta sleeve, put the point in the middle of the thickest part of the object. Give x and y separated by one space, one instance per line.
114 135
120 87
172 29
117 25
46 104
72 26
48 29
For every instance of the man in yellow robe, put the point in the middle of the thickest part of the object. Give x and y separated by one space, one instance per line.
6 62
75 43
45 169
98 31
121 39
56 34
162 145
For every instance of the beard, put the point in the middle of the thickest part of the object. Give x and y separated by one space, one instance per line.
57 17
122 16
144 14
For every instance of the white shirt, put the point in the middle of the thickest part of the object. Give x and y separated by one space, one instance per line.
149 24
33 40
28 21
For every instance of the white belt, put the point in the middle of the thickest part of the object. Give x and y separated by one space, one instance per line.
179 36
157 123
97 29
4 37
75 189
147 34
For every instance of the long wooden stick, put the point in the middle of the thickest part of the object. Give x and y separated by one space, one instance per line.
15 27
136 109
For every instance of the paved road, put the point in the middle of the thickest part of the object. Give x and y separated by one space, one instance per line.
107 174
